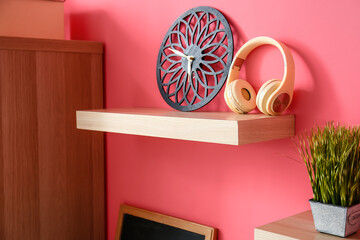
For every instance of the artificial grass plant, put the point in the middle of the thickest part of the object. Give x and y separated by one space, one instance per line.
332 158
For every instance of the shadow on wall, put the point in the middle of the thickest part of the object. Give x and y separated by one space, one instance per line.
218 103
312 82
121 70
310 104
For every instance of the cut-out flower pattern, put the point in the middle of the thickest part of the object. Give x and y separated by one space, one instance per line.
204 34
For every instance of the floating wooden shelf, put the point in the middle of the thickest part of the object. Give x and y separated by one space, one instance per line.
214 127
300 226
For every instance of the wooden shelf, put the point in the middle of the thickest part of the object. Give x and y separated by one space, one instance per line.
214 127
300 226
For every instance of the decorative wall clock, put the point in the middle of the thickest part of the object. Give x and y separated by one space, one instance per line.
194 58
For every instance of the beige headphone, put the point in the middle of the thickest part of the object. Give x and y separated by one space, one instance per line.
274 96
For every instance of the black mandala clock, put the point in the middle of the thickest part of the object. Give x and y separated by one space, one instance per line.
194 58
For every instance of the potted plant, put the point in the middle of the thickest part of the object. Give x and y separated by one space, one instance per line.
332 158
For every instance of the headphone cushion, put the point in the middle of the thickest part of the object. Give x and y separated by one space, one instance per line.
264 93
241 96
229 101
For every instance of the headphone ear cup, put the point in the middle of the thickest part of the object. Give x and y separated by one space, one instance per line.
264 93
240 96
229 99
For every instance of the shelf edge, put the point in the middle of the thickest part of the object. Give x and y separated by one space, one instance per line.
201 129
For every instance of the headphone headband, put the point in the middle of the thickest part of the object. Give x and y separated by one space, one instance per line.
289 67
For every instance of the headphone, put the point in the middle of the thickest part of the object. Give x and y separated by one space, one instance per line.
274 96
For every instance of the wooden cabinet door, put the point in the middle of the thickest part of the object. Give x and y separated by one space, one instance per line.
51 174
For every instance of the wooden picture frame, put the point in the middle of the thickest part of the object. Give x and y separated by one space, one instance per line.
176 224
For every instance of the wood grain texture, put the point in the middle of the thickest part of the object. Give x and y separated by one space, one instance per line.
209 232
2 189
214 127
19 144
50 45
300 226
98 151
79 202
51 119
53 174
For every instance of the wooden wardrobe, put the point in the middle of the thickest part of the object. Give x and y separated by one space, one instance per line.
51 174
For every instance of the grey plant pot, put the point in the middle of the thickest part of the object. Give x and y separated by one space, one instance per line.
335 220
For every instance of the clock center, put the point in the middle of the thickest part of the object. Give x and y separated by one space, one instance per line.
195 54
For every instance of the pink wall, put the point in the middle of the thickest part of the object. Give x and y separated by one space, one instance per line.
231 188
